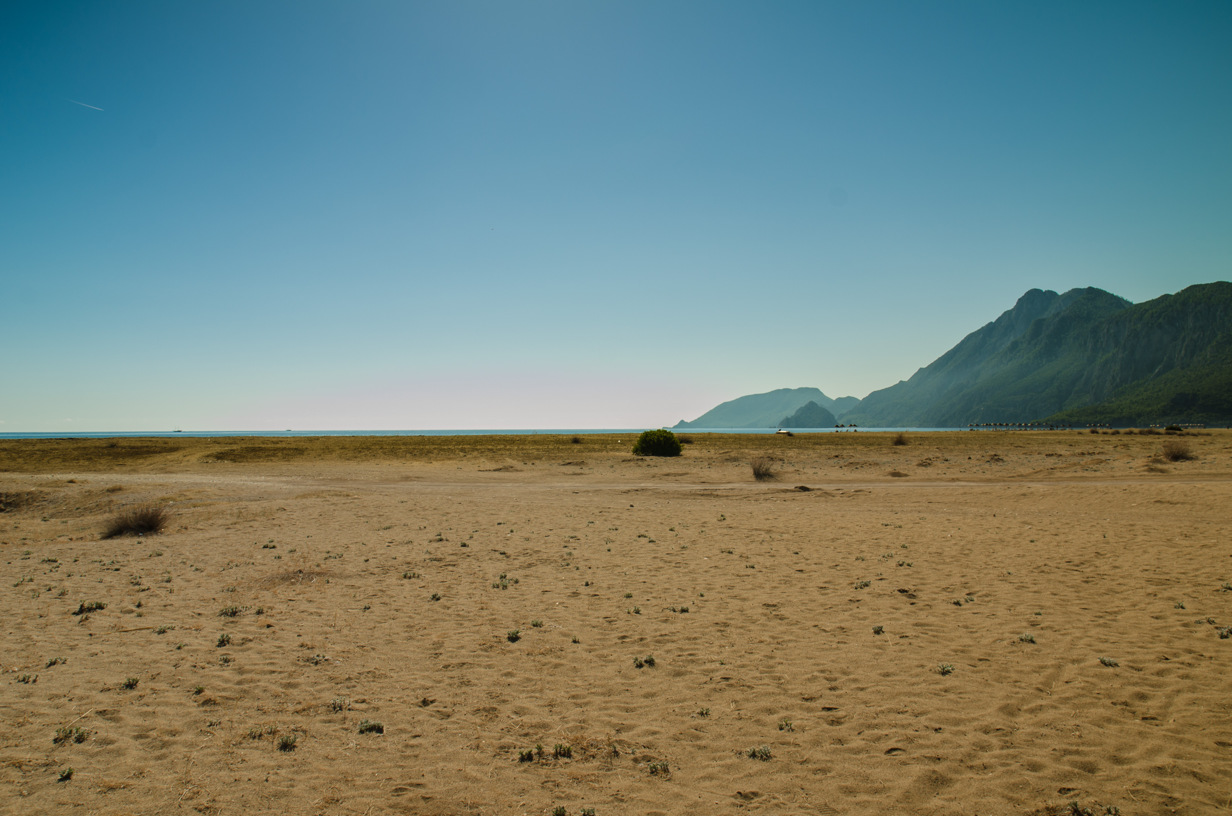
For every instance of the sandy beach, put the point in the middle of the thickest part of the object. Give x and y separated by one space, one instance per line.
969 623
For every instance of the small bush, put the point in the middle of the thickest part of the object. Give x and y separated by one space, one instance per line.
1174 450
763 469
763 753
287 742
371 727
657 443
77 735
899 439
145 520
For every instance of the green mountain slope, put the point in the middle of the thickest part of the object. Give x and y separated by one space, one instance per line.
1085 356
972 382
1167 360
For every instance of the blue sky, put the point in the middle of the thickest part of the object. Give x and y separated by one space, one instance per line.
265 215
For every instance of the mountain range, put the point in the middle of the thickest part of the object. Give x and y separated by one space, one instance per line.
1082 357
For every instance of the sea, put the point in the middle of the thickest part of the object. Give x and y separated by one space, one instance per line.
453 432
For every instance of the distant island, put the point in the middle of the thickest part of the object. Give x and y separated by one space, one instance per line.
1082 357
784 408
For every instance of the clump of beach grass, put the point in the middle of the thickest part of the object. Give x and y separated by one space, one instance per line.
63 735
146 519
1174 450
763 469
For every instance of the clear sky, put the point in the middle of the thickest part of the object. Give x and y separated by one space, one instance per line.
573 213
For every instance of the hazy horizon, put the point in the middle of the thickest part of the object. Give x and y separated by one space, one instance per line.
260 215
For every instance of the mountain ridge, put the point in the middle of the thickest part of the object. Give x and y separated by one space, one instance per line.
1083 356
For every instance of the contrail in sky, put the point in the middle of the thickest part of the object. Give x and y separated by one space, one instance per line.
84 105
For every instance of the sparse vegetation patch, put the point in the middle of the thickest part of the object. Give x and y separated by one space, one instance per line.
371 727
147 519
1175 450
763 469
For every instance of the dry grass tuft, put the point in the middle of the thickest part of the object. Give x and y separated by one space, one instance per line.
763 469
146 519
12 502
1174 450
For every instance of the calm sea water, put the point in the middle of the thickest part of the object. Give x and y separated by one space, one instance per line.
459 432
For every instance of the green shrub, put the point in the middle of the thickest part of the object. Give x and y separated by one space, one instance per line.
657 443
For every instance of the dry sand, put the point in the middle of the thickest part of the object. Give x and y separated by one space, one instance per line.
379 579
